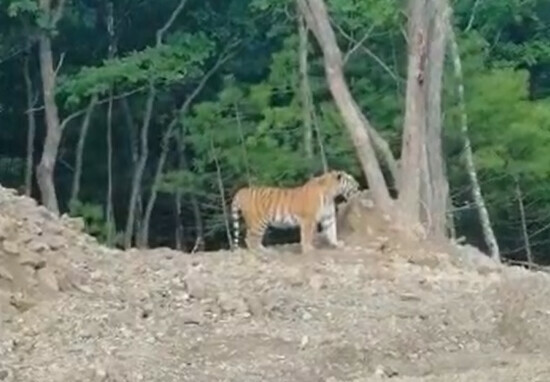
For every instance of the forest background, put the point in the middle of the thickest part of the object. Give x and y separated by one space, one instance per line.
165 108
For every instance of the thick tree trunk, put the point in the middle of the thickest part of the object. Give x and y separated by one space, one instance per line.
305 89
438 187
525 233
485 221
414 131
46 168
80 152
31 125
317 19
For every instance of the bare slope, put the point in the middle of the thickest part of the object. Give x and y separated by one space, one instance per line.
385 307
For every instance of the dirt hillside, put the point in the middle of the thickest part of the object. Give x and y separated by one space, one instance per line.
385 307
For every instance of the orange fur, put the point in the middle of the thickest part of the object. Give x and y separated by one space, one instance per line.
303 206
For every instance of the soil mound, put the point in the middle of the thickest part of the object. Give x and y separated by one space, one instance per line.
40 255
384 307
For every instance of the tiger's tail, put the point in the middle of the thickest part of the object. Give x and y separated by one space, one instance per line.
235 212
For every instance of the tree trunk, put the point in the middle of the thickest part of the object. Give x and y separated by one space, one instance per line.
319 136
438 187
317 19
526 242
197 216
80 152
111 224
243 143
414 130
46 168
134 152
179 232
485 221
140 166
305 89
31 125
222 193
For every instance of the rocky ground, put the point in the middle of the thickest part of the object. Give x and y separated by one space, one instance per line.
383 308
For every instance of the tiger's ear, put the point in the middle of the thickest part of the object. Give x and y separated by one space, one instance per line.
339 175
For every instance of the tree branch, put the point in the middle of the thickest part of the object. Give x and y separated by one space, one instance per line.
78 113
170 21
58 11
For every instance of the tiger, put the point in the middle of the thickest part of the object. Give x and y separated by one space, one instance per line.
304 206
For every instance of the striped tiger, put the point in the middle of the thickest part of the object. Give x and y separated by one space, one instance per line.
304 206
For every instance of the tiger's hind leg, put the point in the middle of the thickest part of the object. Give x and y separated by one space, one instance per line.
254 237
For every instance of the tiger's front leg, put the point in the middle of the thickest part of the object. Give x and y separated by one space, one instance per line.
307 231
328 226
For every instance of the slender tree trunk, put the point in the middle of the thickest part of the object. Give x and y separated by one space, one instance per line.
140 166
134 152
305 89
322 153
80 152
197 216
111 224
46 168
243 143
438 187
179 232
485 221
317 19
31 125
526 242
111 227
414 131
222 193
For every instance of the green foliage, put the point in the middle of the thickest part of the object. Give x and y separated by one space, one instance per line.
246 124
163 64
93 216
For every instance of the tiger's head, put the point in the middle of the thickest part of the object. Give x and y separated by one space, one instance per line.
338 183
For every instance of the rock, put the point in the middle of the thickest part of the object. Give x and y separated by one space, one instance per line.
5 274
33 260
255 306
56 242
48 278
295 276
195 285
37 246
10 247
304 342
231 304
317 282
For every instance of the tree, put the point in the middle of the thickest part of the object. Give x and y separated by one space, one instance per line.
315 13
45 172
